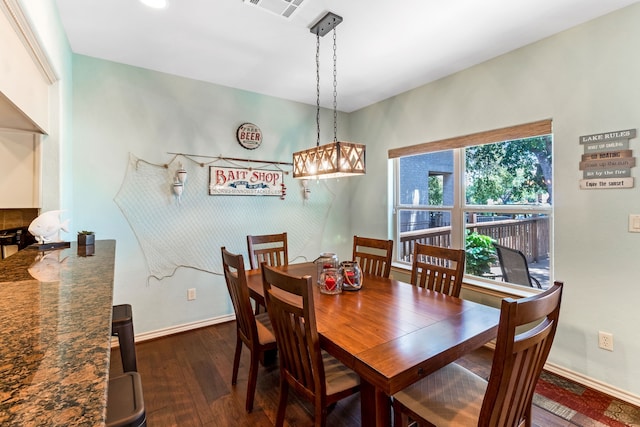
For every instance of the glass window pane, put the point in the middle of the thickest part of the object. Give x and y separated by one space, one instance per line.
509 173
423 226
524 233
427 179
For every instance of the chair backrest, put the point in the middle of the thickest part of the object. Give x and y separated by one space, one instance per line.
514 266
289 302
373 255
437 268
269 248
234 275
519 357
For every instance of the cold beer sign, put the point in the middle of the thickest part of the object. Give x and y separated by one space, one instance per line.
244 182
249 136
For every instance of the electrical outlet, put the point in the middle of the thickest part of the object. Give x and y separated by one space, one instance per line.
605 340
191 294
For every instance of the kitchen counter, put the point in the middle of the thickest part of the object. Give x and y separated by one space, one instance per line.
55 335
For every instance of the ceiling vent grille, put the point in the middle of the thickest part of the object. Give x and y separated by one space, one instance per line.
283 8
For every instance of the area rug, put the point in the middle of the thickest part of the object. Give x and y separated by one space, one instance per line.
583 406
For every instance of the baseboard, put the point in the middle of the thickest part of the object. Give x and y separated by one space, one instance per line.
159 333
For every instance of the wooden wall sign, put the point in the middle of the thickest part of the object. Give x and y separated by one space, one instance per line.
245 182
607 160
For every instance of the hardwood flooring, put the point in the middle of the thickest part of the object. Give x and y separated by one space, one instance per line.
187 383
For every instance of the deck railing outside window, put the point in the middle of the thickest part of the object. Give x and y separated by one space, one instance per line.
529 235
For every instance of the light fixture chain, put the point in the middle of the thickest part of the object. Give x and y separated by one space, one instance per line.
318 89
335 88
336 159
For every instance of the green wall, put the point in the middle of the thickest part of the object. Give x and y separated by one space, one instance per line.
587 81
122 112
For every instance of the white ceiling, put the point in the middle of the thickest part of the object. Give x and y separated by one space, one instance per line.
385 47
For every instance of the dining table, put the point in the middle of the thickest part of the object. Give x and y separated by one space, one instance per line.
391 333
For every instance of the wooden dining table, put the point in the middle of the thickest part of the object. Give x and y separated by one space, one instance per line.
391 333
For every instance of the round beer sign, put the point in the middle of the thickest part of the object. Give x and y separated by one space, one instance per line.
249 136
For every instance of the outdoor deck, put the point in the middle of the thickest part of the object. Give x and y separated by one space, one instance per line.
528 235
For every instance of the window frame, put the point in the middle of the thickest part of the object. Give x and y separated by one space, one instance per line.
459 208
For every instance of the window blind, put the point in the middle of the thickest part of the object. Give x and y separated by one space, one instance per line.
527 130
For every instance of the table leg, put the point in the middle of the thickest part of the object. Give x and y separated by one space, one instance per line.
375 406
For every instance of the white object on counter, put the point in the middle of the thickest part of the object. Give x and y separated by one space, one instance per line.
46 227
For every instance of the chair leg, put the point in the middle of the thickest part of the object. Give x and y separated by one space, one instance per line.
282 403
236 360
253 379
400 419
320 416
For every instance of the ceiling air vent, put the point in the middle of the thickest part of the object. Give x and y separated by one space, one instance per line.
280 7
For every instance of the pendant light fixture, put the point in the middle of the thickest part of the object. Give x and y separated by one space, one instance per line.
338 158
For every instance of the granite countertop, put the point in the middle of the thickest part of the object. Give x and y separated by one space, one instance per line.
55 320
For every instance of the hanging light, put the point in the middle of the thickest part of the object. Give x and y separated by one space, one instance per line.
338 158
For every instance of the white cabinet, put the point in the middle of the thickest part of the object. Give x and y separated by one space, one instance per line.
19 170
26 79
25 74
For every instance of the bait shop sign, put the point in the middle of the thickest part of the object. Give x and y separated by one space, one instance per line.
245 182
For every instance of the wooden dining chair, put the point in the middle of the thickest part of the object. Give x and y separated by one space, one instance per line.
269 248
455 396
373 255
254 331
437 268
514 267
312 373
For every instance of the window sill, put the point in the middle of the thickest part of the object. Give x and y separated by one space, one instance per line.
499 289
489 287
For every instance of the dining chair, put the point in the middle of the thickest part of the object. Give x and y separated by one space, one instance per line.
269 248
514 267
310 371
254 331
438 269
373 255
455 396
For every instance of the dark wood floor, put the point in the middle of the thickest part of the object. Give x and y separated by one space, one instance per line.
187 382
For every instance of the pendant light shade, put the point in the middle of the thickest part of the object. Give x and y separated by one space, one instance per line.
338 158
334 160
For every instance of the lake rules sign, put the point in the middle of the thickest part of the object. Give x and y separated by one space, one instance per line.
245 182
607 160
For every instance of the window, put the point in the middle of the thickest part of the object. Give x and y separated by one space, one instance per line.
476 191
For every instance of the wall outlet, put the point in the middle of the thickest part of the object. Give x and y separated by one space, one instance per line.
191 294
605 340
